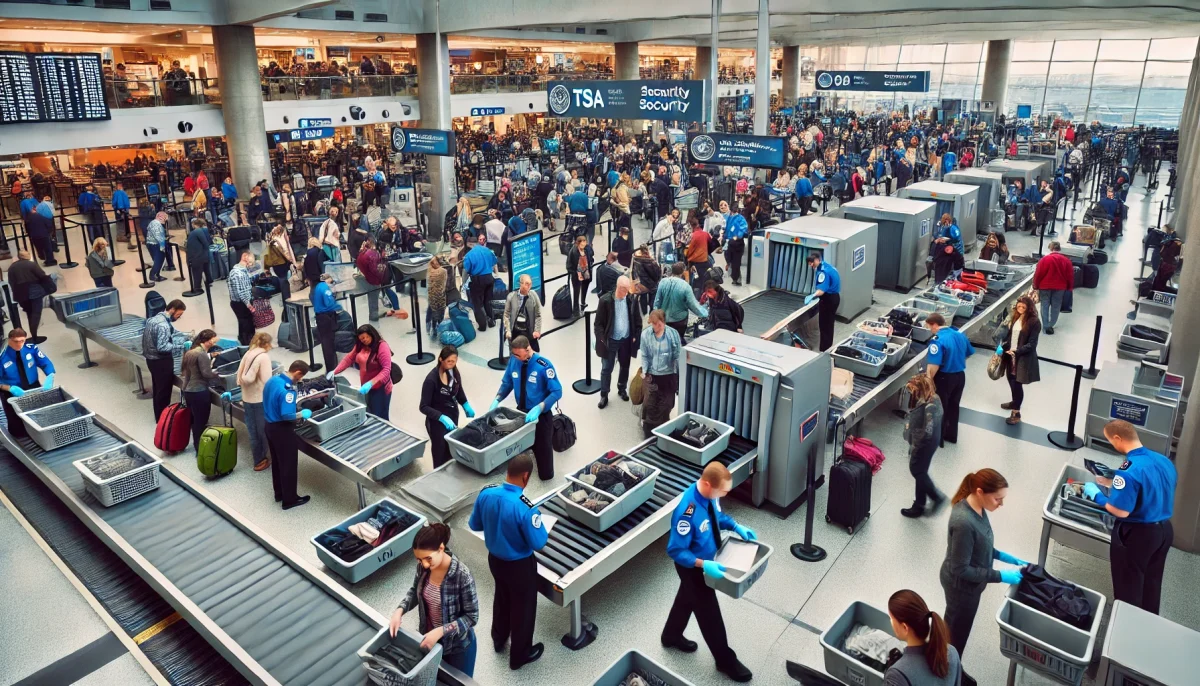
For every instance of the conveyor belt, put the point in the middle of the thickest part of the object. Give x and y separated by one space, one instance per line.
372 446
765 309
128 336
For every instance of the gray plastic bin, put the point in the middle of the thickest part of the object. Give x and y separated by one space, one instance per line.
356 571
735 586
871 366
425 672
35 398
838 663
619 506
696 456
633 660
484 460
1047 645
54 426
337 419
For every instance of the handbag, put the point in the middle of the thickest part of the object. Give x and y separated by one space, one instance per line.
995 369
563 433
296 279
263 315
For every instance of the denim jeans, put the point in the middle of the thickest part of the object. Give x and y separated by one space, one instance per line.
373 302
256 425
1051 304
379 403
156 257
463 660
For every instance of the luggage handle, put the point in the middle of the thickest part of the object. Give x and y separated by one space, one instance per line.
227 407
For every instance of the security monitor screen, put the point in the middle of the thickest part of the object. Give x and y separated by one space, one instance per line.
51 87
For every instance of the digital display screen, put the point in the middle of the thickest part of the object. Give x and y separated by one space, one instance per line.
51 87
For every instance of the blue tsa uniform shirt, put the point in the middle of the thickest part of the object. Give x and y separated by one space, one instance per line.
953 233
512 527
949 350
693 533
279 399
29 359
534 382
828 279
1144 487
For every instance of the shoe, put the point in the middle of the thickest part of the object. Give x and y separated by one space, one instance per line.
1050 330
1065 311
603 402
296 503
500 646
1013 419
262 464
913 512
937 504
737 283
168 269
1006 406
680 643
160 278
623 395
736 671
37 340
534 654
481 328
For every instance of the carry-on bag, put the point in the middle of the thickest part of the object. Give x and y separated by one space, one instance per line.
217 454
1091 275
461 316
174 428
560 304
264 314
849 493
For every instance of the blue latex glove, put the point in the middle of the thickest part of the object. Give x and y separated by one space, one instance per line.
446 423
48 382
746 533
809 298
468 409
227 396
329 375
16 391
494 405
306 414
532 415
713 569
999 350
1090 490
365 388
1011 576
1010 558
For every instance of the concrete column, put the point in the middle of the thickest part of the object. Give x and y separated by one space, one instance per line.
791 75
714 57
762 70
995 73
1188 152
1186 516
433 95
242 105
703 64
626 66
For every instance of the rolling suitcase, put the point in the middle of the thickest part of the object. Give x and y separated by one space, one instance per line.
560 304
217 454
1098 257
849 493
1091 275
174 428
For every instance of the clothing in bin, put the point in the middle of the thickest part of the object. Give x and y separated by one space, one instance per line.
351 543
487 430
392 662
695 434
872 647
614 479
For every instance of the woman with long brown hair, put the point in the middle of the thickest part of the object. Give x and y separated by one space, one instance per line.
923 431
929 659
1019 352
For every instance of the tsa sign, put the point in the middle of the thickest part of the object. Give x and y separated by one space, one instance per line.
663 100
423 141
486 111
745 151
859 259
1134 413
889 81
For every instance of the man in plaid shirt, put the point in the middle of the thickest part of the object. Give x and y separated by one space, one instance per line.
240 295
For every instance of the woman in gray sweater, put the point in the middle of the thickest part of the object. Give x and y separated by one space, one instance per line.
923 431
928 659
198 377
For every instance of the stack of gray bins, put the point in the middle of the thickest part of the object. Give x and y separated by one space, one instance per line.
862 355
618 506
1147 336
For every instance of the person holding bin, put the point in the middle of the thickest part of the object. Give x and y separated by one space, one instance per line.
535 383
19 365
441 394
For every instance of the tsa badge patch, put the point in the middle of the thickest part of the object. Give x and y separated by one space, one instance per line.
684 527
1118 482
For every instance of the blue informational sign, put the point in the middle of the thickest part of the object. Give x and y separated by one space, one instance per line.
423 141
486 111
925 227
744 151
315 123
859 258
1134 413
662 100
525 257
889 81
1024 111
300 135
809 425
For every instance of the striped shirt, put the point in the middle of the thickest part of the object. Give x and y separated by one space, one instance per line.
240 290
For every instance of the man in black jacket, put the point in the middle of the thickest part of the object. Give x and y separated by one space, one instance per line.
660 187
618 330
198 255
607 275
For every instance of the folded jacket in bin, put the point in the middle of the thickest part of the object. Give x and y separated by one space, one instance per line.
387 521
872 647
615 478
391 663
695 434
1060 599
485 431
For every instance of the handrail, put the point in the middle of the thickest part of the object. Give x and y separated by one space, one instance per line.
329 86
133 93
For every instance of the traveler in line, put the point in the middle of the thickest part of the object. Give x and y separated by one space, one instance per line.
676 298
279 409
658 352
326 310
828 287
443 591
494 229
534 383
158 347
198 248
441 394
622 245
120 206
523 314
373 358
377 272
1053 276
967 569
1019 351
30 286
579 266
91 208
1141 495
663 237
646 275
607 274
40 225
19 365
697 247
946 364
314 262
618 331
723 311
736 231
692 544
252 375
241 294
280 259
198 380
437 291
100 265
479 266
928 659
513 531
331 236
156 243
923 431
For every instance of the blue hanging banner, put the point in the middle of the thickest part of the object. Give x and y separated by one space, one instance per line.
888 81
525 257
423 141
662 100
745 151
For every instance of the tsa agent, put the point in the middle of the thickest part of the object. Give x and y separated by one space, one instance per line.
534 382
827 287
441 394
946 364
1141 495
19 365
693 544
513 529
736 231
948 233
279 408
326 308
158 346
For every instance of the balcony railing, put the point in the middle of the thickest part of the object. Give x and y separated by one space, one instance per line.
515 83
125 94
333 87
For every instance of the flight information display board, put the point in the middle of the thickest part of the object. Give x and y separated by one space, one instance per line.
51 87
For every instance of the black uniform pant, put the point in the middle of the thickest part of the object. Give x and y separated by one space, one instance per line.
481 300
326 327
245 320
514 606
827 307
33 313
961 608
543 444
162 380
200 405
694 596
437 442
1137 556
950 389
918 465
281 439
733 258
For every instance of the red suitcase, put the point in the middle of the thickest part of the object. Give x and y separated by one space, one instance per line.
174 429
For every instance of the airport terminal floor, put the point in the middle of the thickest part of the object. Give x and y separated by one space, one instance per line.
779 619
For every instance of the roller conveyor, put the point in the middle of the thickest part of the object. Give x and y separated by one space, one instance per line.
772 311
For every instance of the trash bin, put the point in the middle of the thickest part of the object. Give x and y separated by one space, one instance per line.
1047 645
838 662
356 571
635 661
697 456
736 585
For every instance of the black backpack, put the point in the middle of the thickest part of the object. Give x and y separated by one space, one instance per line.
1059 599
902 323
154 304
564 432
560 305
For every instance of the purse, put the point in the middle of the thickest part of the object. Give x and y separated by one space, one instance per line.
995 369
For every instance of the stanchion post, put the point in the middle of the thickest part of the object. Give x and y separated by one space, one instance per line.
1091 371
142 269
1068 440
112 246
178 259
212 316
62 221
807 551
499 362
419 357
587 385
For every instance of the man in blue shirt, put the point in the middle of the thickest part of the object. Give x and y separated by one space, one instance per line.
947 366
1141 495
512 529
736 231
326 308
120 205
279 409
693 544
91 207
827 285
28 202
534 382
19 365
479 265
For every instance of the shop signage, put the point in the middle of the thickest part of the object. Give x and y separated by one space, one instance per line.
423 141
525 257
892 81
663 100
315 123
745 151
1134 413
300 135
486 111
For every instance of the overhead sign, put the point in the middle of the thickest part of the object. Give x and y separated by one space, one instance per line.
745 151
315 123
664 100
423 141
51 87
525 257
486 111
892 81
300 135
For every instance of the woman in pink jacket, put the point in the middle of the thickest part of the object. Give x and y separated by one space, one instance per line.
373 358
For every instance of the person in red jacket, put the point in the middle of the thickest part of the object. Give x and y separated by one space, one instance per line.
1053 277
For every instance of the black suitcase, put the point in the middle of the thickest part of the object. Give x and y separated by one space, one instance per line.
849 494
565 241
560 305
1078 274
1098 257
1091 275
